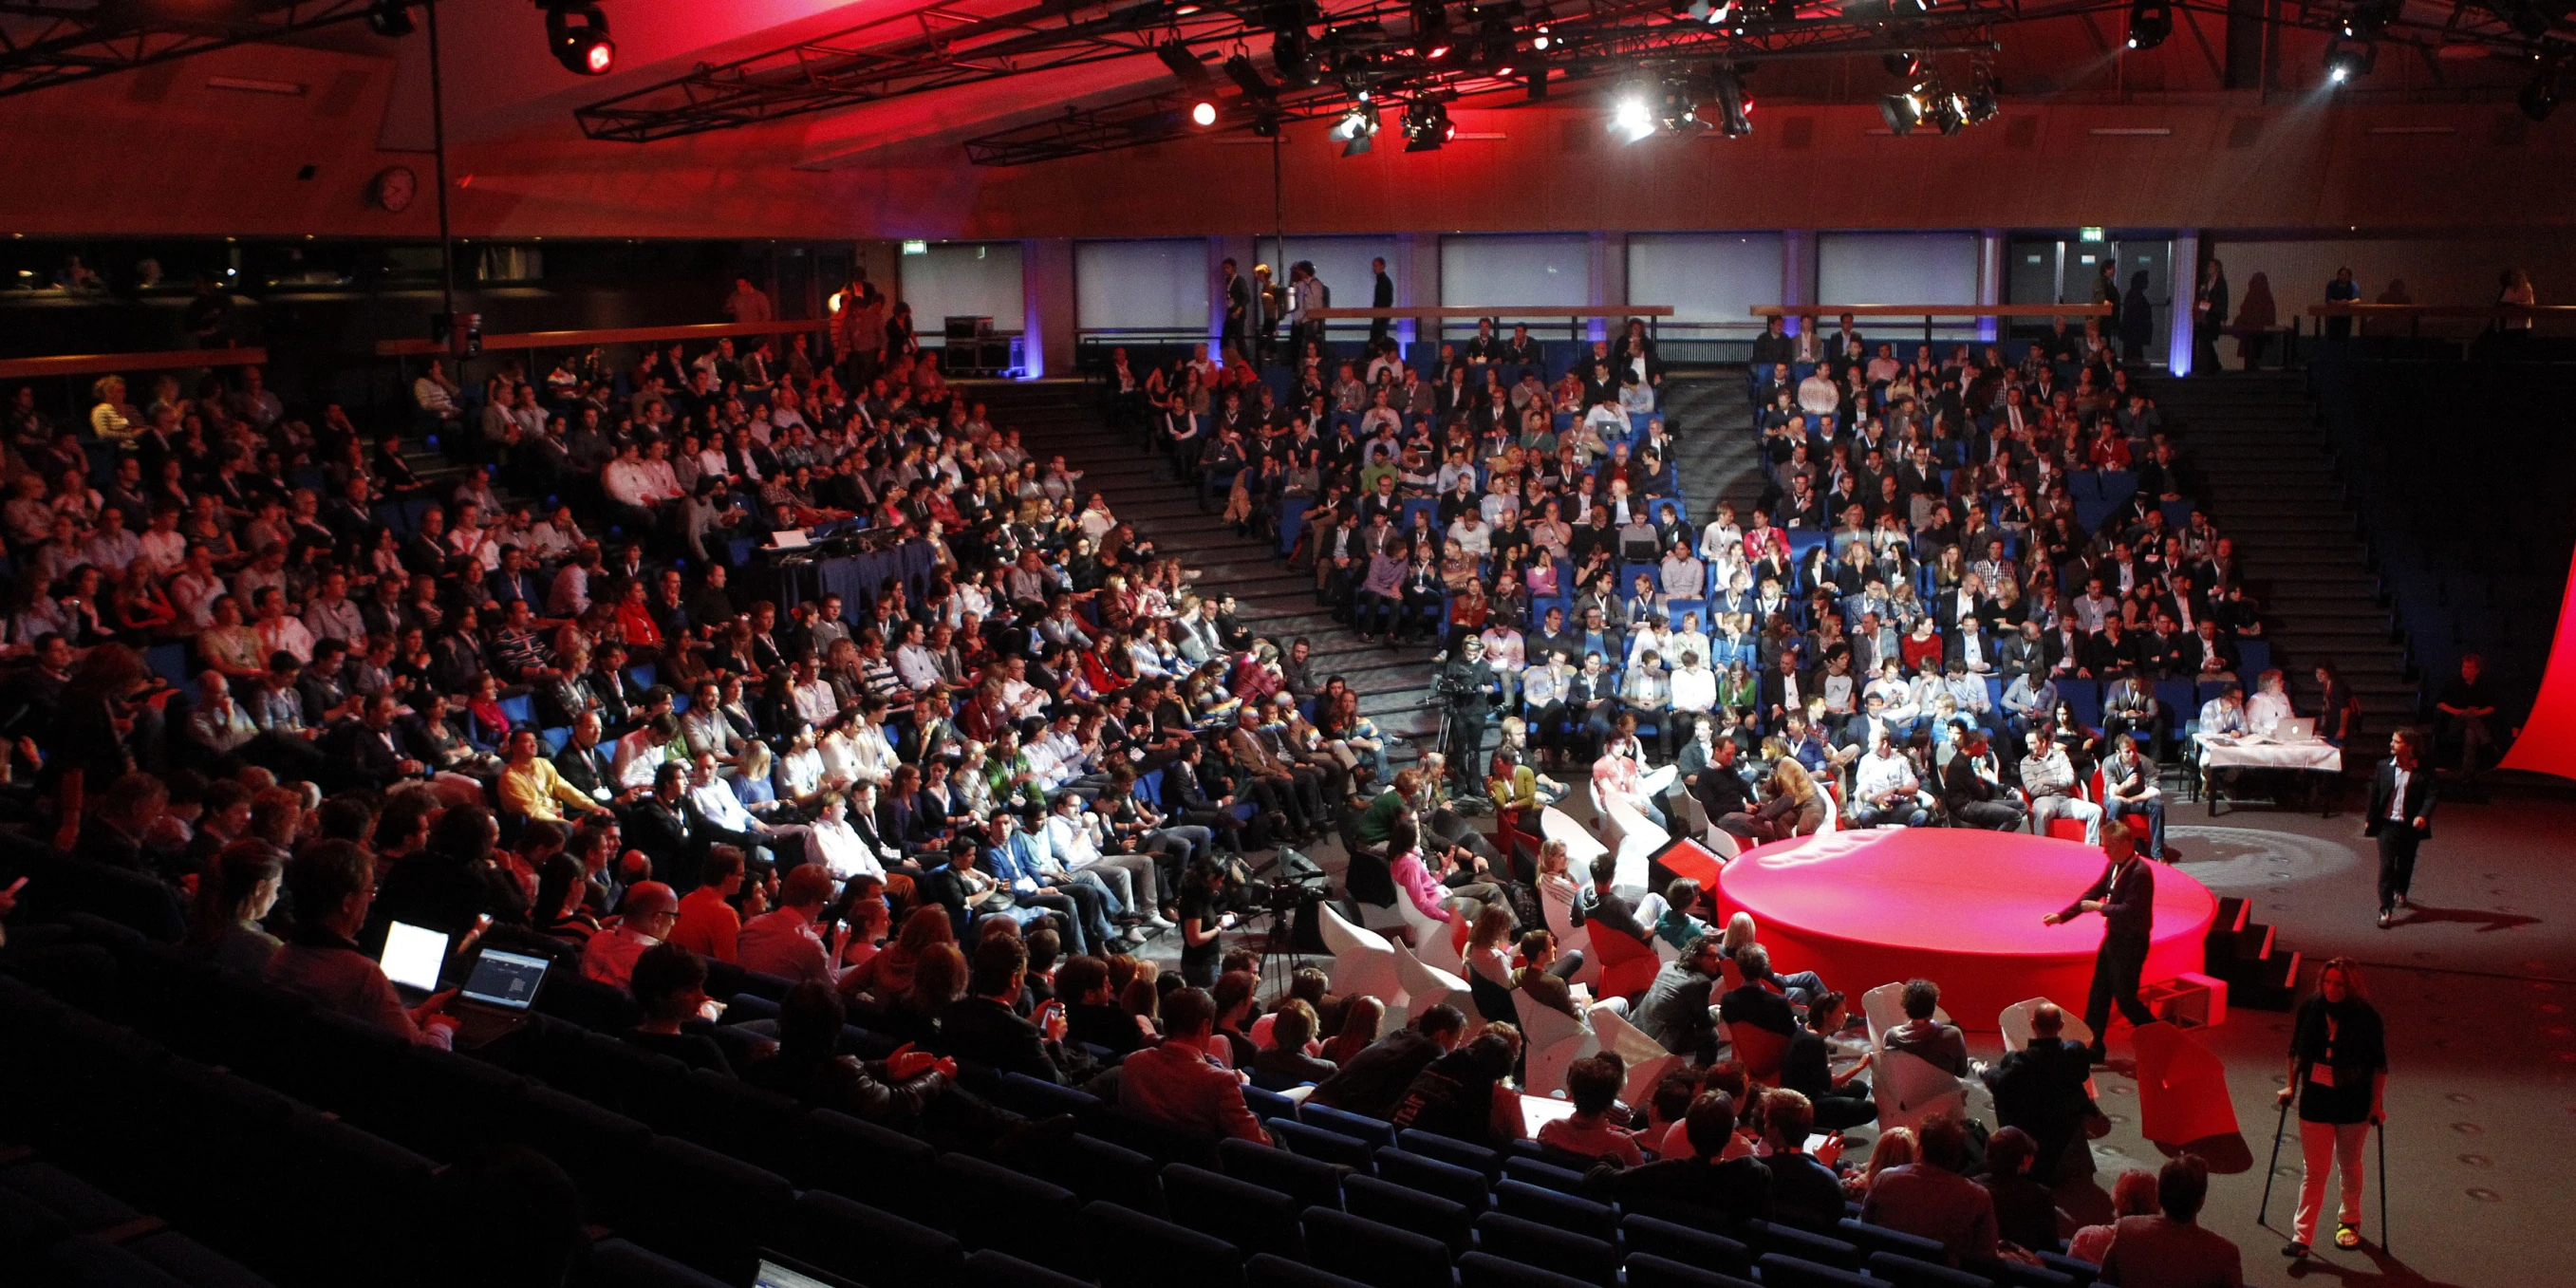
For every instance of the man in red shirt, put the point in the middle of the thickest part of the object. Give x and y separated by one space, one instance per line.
1179 1085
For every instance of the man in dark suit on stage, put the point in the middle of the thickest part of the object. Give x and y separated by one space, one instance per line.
2402 797
2125 895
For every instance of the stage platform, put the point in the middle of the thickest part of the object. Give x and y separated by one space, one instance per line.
1957 906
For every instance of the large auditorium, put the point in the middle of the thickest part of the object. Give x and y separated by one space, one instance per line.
1287 643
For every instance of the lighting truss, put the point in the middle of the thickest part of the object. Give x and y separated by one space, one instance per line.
44 43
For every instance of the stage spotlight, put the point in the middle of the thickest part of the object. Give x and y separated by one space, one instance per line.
1202 113
2539 96
1265 124
390 18
1631 119
583 48
1984 98
1431 29
1901 63
1427 126
1903 111
1357 129
1679 113
1247 77
1184 64
1542 23
1288 54
2346 63
1908 8
2150 21
1947 112
2367 18
1734 106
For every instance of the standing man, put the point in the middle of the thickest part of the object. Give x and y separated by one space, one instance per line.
2126 897
1268 303
1381 296
2401 817
2208 318
1469 685
1238 312
2466 706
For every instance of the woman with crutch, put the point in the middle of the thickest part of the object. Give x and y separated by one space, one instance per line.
2339 1074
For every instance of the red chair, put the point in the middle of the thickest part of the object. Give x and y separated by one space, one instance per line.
1627 966
2100 794
1761 1050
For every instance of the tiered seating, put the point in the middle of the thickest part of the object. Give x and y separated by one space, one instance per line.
315 1127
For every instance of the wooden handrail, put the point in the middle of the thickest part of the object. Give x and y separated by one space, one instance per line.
1932 310
2349 309
1491 311
100 364
614 335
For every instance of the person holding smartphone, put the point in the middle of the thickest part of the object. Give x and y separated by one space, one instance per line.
1202 925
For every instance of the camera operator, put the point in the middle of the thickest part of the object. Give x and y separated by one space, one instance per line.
1467 687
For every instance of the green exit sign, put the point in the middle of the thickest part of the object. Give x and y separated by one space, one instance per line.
2091 234
923 247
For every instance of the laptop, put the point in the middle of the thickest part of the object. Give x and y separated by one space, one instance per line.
778 1271
497 993
1539 1111
2295 729
789 539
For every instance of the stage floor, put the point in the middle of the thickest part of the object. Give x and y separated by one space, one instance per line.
2479 987
1959 907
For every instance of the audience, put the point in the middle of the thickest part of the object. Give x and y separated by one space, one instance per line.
2168 1250
416 697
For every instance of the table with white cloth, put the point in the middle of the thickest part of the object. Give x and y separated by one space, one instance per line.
2224 751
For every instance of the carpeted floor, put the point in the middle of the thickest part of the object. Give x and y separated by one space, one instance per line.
2475 984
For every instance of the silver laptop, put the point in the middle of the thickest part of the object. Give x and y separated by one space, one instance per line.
495 997
789 539
2295 729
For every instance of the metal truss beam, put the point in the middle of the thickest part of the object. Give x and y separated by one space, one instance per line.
47 44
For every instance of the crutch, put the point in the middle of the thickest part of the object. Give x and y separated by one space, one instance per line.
2383 1185
2262 1215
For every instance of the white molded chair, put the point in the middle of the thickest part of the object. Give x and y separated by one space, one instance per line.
1570 938
1427 986
1909 1089
1384 916
1635 836
1648 1061
1431 940
2015 1023
1833 815
1363 962
1884 1007
1554 1041
1581 846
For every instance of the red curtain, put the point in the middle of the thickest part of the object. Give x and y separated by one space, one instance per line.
2548 741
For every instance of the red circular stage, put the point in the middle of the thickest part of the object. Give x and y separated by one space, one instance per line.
1959 907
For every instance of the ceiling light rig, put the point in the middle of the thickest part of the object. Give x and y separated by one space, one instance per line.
1357 130
2150 21
2348 61
582 46
1930 101
2539 96
1427 125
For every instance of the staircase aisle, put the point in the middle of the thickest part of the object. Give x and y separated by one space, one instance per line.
1721 458
2269 479
1718 459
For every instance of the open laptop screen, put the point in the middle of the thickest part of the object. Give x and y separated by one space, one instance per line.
413 956
506 980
